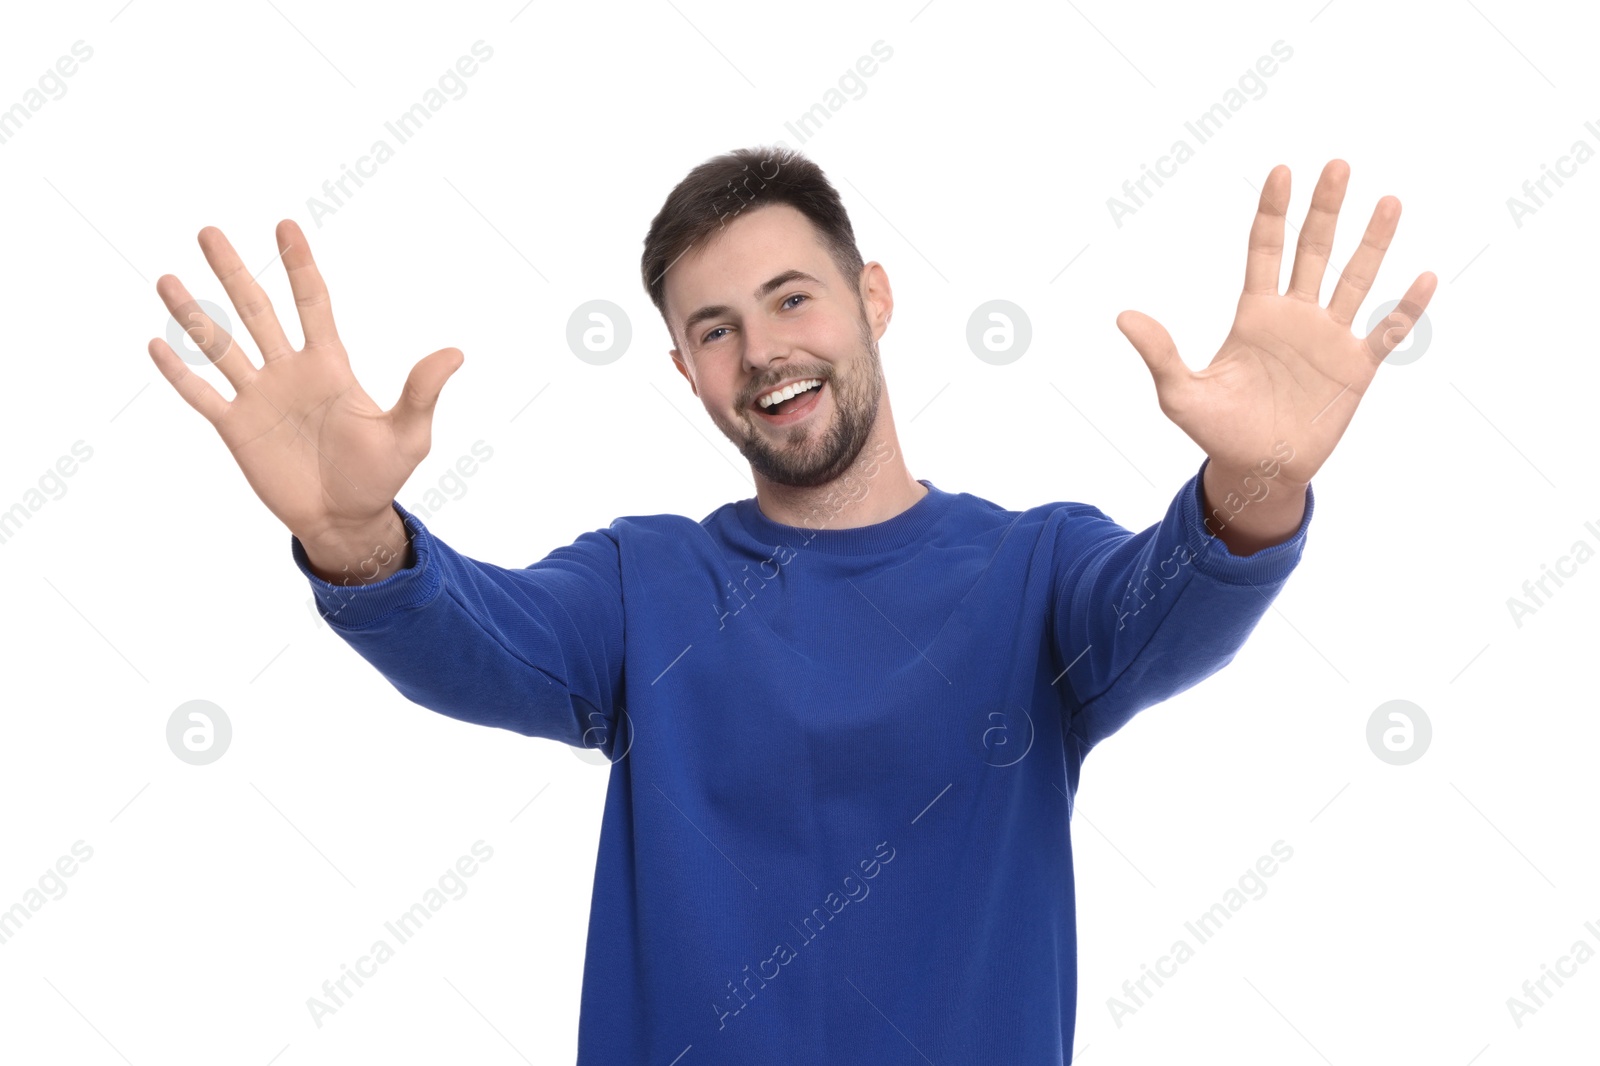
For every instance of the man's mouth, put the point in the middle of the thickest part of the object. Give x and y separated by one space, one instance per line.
803 399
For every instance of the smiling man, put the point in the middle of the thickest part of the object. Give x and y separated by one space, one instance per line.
846 717
788 369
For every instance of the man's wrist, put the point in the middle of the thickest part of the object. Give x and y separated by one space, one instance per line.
364 556
1249 511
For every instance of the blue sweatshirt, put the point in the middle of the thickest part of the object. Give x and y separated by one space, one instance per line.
843 760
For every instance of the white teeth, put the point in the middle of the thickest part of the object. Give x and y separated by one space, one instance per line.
787 391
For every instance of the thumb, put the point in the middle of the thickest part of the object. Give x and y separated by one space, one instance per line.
1154 345
413 412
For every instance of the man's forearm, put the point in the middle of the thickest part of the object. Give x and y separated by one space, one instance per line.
363 557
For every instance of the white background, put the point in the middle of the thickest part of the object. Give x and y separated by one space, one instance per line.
976 165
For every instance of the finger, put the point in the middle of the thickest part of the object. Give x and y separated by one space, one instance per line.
1397 324
219 347
310 294
249 298
1151 340
1264 263
413 412
195 390
1363 267
1316 238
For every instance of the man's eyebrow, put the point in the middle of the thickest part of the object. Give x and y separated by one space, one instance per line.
762 291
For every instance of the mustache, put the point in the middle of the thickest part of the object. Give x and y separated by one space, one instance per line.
764 389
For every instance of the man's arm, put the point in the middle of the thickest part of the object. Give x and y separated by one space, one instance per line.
1284 385
1141 617
538 650
1267 412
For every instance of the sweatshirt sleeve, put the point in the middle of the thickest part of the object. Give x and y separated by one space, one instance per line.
1140 617
536 650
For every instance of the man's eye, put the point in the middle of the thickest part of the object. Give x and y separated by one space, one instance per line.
712 336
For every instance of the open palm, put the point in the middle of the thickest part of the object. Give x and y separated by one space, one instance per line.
313 445
1290 370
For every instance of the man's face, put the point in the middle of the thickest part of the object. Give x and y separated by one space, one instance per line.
762 305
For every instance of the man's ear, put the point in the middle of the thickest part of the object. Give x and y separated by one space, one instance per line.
677 361
876 297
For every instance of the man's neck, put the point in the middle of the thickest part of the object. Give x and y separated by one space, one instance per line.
873 489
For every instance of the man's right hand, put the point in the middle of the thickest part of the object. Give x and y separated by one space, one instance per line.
313 445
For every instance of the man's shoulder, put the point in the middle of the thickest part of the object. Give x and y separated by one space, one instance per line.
630 526
665 531
979 509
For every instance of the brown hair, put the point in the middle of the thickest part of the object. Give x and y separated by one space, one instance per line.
712 195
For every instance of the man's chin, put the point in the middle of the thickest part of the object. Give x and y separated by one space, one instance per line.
790 468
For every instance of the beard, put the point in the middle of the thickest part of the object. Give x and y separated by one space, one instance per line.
802 456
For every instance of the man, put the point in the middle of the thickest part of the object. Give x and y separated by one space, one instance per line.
847 716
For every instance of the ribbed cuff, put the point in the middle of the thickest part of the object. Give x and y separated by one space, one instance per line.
1212 557
353 606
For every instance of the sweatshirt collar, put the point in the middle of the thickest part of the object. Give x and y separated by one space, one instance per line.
888 535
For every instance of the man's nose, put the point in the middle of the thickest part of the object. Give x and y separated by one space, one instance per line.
764 345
